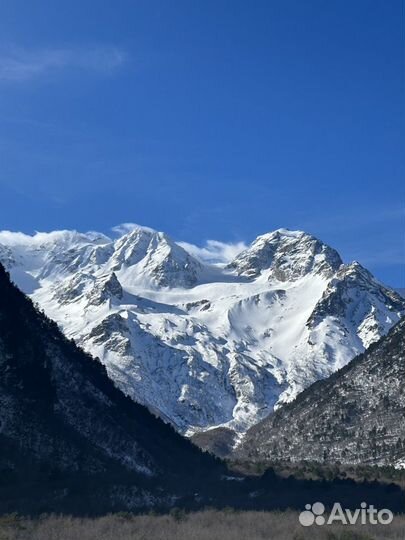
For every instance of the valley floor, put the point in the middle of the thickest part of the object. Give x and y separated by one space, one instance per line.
205 525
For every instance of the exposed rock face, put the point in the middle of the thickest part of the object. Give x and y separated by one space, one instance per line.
154 257
205 346
355 416
6 256
288 255
107 288
354 295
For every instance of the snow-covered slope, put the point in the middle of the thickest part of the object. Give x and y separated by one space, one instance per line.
205 346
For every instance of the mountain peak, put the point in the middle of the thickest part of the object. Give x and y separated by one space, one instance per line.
106 288
147 256
282 232
287 256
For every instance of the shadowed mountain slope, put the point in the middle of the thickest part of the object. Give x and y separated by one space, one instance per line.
62 418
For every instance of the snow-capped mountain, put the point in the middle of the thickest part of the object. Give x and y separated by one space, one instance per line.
287 256
205 345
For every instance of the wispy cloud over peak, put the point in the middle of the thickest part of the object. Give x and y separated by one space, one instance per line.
17 64
214 252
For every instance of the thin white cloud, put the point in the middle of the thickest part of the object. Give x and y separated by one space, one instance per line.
12 238
125 228
214 252
17 65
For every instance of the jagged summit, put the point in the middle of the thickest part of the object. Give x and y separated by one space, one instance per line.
286 255
132 247
152 256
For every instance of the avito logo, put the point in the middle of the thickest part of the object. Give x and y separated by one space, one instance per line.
367 514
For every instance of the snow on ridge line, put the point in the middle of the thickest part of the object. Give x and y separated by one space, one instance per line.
212 252
285 232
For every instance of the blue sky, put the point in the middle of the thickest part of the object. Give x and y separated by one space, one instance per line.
213 119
